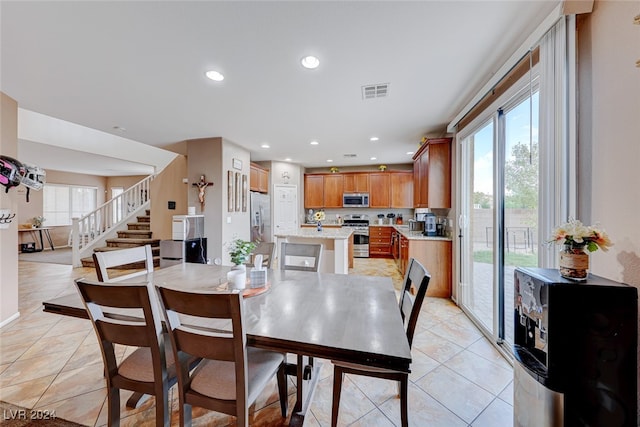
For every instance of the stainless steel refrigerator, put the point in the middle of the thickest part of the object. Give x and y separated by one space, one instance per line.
260 217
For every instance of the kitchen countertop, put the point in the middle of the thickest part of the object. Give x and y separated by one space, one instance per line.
309 231
411 235
326 233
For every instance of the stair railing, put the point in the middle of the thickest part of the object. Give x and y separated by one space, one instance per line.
90 229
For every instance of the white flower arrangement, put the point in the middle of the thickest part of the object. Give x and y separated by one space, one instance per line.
574 233
319 216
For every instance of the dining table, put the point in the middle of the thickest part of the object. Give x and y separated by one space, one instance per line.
342 317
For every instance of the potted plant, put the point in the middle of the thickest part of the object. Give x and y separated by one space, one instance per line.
239 250
38 221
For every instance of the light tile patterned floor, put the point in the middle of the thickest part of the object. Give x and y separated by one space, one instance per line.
458 379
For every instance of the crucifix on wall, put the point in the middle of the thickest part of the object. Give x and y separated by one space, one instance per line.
202 185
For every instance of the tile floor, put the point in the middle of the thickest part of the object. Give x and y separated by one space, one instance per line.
53 362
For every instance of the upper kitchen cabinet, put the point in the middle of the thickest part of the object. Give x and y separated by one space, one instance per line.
333 189
258 178
323 191
381 196
432 174
356 182
401 189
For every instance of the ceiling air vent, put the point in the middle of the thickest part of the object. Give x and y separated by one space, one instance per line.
379 90
350 156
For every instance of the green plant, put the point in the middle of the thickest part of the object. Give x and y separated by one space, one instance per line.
38 220
239 251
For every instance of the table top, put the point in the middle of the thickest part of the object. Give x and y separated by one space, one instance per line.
312 233
34 229
333 316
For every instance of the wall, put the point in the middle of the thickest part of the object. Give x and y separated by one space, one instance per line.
121 181
9 236
608 133
168 186
213 158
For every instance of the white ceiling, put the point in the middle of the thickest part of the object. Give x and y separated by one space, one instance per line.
140 66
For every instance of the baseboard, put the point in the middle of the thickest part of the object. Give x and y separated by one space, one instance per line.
10 319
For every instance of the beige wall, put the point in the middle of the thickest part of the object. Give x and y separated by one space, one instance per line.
8 236
213 158
168 186
121 181
609 131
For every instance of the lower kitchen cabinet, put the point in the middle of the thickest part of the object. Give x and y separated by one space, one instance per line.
380 242
435 256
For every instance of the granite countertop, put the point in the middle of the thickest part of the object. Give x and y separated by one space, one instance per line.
417 235
312 233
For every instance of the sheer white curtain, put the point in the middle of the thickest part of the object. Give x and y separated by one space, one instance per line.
557 150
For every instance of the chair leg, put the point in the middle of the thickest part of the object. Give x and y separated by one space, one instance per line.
113 404
185 415
282 389
162 406
404 400
338 376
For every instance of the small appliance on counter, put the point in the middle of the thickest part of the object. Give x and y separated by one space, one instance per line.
416 225
430 224
380 219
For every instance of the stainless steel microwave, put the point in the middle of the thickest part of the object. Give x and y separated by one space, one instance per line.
355 200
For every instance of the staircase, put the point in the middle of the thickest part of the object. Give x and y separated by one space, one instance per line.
137 234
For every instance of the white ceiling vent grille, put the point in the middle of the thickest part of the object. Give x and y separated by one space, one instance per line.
350 156
380 90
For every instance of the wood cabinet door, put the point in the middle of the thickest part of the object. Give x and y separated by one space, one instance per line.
416 183
401 189
423 191
439 175
356 182
254 183
313 191
263 181
333 189
380 197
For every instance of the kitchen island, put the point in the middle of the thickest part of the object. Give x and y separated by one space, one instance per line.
337 251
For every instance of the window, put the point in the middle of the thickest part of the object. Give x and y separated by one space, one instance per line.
63 202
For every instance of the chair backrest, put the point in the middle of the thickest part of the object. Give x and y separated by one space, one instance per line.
121 258
207 339
266 249
300 256
127 315
416 277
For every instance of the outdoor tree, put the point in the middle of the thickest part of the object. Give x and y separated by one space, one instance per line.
521 177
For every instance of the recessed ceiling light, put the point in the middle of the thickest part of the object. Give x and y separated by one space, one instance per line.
288 159
372 158
265 146
215 75
409 153
329 161
314 143
310 62
374 138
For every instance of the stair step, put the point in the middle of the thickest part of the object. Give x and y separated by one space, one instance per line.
135 234
131 243
144 218
155 250
139 225
88 262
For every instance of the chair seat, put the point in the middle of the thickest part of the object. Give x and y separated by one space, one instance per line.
217 379
138 366
364 368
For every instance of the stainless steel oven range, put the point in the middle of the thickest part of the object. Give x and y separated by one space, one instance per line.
360 225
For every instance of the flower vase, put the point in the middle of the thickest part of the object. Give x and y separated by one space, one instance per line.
574 262
319 226
237 277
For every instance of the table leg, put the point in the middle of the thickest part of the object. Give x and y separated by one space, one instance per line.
304 392
46 233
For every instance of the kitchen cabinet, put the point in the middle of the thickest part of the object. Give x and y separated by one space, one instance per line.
401 189
404 254
258 178
314 191
381 196
432 174
435 255
380 241
356 182
333 189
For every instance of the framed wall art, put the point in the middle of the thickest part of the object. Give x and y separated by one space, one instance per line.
245 189
238 192
237 164
230 192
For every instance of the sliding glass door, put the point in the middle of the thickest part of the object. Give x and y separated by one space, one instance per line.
499 211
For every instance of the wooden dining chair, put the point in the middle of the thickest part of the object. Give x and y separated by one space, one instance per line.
418 277
231 375
300 256
266 249
149 369
132 257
